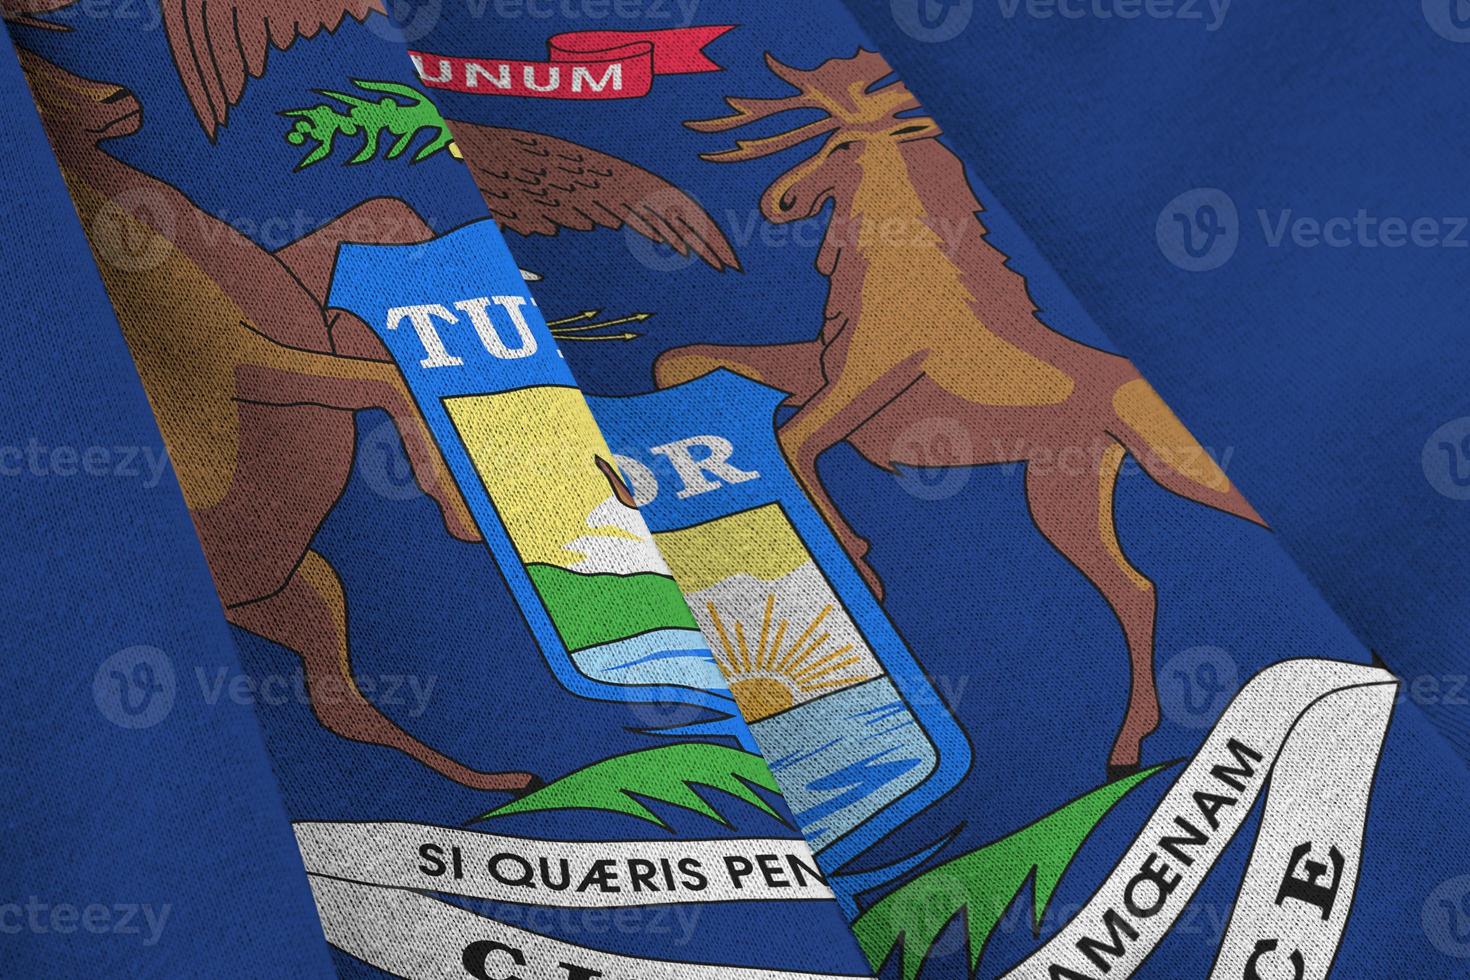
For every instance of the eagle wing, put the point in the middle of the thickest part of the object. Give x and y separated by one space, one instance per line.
218 45
537 184
22 12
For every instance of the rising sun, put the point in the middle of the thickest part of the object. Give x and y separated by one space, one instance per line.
774 675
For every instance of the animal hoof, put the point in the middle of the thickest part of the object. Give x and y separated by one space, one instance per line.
1118 772
533 783
461 526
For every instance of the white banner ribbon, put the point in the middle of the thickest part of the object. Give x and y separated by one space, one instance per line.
566 874
419 937
369 879
1307 734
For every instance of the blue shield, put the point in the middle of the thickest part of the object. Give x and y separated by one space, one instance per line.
806 646
485 372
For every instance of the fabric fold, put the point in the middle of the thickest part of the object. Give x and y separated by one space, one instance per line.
431 572
981 596
141 821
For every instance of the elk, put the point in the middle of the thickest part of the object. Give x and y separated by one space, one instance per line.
255 386
925 322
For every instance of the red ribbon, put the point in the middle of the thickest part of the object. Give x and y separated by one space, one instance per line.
580 65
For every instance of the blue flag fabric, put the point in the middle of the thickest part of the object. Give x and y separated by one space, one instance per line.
142 830
856 484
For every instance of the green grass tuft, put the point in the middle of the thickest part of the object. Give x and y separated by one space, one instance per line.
983 883
667 774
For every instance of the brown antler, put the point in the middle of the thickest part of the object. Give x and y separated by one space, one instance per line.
839 87
751 110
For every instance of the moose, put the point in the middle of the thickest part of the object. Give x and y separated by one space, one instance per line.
254 385
925 323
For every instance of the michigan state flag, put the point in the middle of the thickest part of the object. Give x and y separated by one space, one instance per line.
662 520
